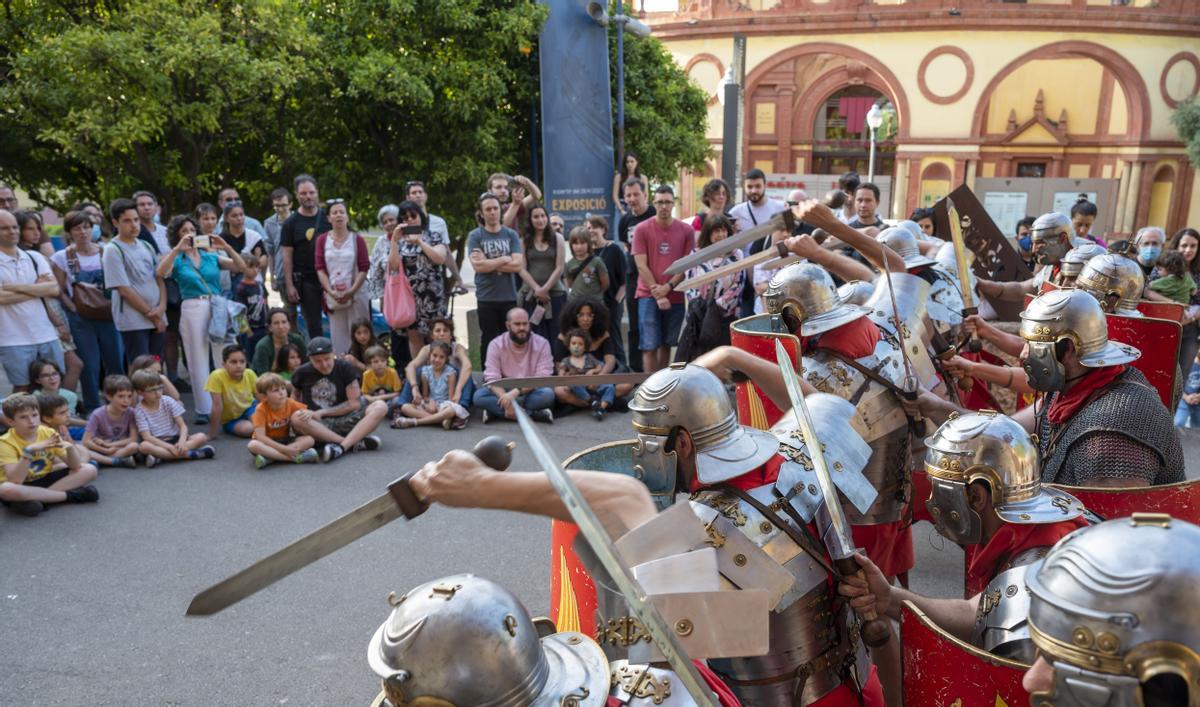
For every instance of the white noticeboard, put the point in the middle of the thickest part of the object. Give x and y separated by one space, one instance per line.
1006 209
816 185
1064 200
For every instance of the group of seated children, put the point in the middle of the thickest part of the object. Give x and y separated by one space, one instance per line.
437 380
121 433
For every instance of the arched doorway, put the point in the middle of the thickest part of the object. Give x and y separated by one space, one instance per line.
841 139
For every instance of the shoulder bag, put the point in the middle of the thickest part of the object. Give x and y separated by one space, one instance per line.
90 300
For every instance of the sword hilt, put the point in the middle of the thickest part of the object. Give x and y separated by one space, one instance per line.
493 451
875 631
972 344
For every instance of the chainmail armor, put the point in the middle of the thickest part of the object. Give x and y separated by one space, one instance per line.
1124 432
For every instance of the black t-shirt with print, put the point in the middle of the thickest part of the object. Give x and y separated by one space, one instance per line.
320 391
300 232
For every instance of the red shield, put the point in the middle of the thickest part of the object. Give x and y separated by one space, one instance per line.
941 670
1181 500
1171 311
757 335
1157 339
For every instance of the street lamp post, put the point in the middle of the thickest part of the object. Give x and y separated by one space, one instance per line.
623 22
874 120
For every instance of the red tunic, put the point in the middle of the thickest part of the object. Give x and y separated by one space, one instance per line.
984 562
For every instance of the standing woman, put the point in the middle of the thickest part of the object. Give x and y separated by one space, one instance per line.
32 236
342 261
421 255
545 259
96 340
249 243
377 271
1083 215
198 273
715 196
1187 242
629 168
206 218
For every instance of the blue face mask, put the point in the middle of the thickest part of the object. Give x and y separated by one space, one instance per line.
95 232
1026 243
1149 255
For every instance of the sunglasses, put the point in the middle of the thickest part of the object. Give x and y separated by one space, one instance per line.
334 202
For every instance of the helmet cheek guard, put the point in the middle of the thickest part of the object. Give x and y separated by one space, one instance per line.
654 466
1045 372
952 513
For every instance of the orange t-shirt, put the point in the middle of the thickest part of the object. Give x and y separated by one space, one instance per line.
276 422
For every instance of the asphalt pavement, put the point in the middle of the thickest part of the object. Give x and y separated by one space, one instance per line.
92 598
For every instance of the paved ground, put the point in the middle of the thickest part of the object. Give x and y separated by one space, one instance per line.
92 599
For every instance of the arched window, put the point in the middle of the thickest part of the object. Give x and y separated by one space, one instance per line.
841 139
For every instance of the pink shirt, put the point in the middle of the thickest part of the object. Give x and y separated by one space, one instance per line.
661 246
506 360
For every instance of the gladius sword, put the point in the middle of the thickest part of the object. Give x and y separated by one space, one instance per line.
837 536
960 261
372 515
776 256
783 221
606 552
598 379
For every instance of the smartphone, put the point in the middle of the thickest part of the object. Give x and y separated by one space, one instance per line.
539 312
410 230
204 242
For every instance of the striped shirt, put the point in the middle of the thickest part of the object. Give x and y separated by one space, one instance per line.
159 423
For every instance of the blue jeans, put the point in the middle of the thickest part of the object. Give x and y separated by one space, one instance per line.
1187 415
96 342
139 342
537 399
606 392
467 397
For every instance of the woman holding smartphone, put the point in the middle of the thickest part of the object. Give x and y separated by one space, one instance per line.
545 260
197 271
420 252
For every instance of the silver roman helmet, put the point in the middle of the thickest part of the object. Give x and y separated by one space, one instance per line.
904 243
1113 610
1072 263
856 292
1062 315
465 640
991 447
692 397
1052 232
805 293
1116 281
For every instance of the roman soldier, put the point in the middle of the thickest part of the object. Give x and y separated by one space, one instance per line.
1072 263
1112 612
751 504
945 304
1115 281
1051 238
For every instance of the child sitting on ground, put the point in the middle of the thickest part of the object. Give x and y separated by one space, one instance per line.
38 466
251 293
287 361
440 330
436 379
1176 283
232 390
111 433
160 422
380 381
362 337
55 414
580 362
273 439
151 362
45 374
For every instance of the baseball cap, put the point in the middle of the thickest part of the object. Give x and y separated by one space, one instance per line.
319 345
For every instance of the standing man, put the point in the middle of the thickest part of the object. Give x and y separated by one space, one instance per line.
520 354
495 252
757 208
415 192
866 208
8 199
637 210
516 194
297 238
150 230
229 194
656 244
25 278
139 295
281 202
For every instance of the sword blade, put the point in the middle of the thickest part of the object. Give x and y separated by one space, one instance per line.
779 251
732 243
599 379
366 518
960 255
838 538
606 552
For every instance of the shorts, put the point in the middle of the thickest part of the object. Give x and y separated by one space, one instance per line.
343 424
172 440
658 327
246 415
42 482
16 359
284 440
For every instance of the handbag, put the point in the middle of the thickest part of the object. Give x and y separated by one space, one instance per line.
399 304
90 300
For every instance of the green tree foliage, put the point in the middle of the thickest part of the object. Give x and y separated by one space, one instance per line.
1186 119
666 113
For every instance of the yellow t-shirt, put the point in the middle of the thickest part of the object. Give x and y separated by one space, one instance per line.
236 396
42 462
388 383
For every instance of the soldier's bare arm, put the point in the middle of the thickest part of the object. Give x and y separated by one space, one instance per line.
956 616
879 255
460 480
727 362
